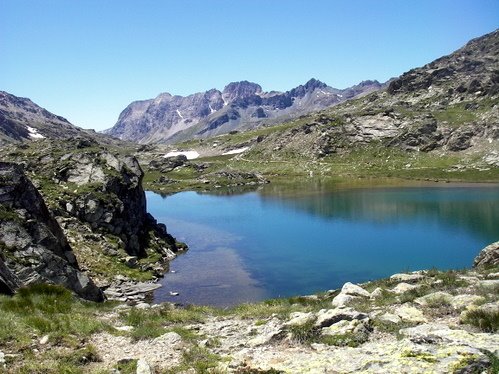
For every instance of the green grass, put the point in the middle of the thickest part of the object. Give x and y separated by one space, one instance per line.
455 115
127 366
485 320
200 359
45 309
307 333
151 323
68 322
280 307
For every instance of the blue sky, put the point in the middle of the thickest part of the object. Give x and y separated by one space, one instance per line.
87 60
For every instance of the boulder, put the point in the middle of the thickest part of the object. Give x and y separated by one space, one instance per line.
299 318
461 302
432 333
328 317
390 318
489 256
403 287
354 290
409 314
271 331
109 196
33 245
347 327
378 292
342 300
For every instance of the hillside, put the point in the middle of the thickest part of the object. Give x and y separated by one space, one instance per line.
241 105
439 121
22 120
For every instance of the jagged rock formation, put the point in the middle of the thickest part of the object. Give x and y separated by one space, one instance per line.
241 105
22 120
115 203
489 256
33 246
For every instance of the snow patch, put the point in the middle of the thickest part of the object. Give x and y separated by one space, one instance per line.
236 151
34 134
189 154
179 114
211 109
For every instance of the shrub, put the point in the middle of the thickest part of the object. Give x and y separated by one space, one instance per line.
485 320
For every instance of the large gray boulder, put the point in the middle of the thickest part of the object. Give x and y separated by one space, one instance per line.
489 256
33 246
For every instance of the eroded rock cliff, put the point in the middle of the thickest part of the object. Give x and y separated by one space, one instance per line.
33 245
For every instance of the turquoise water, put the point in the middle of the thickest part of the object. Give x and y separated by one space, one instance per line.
272 243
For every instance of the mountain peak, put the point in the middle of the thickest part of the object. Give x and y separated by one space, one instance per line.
242 89
313 83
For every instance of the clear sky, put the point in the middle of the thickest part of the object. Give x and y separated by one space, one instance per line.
87 60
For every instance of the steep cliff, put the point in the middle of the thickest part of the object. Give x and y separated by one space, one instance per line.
33 246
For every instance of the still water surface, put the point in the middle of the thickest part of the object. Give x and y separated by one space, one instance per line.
271 243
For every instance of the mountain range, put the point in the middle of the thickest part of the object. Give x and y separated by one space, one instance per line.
240 106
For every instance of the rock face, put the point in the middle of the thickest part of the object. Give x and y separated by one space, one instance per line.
116 203
32 244
240 105
489 256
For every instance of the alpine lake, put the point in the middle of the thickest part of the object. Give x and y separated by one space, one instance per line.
280 240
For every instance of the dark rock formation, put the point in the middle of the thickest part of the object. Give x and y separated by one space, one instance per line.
489 256
8 281
166 164
32 243
109 196
466 71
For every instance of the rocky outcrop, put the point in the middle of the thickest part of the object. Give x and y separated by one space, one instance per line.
8 281
108 195
240 105
489 256
32 243
464 72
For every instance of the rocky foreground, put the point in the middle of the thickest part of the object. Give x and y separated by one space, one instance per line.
424 321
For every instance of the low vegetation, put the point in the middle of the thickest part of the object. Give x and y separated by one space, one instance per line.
52 330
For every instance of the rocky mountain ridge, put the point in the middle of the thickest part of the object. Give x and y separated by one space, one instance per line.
23 120
241 105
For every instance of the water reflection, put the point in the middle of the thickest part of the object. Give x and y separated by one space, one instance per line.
282 242
475 210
